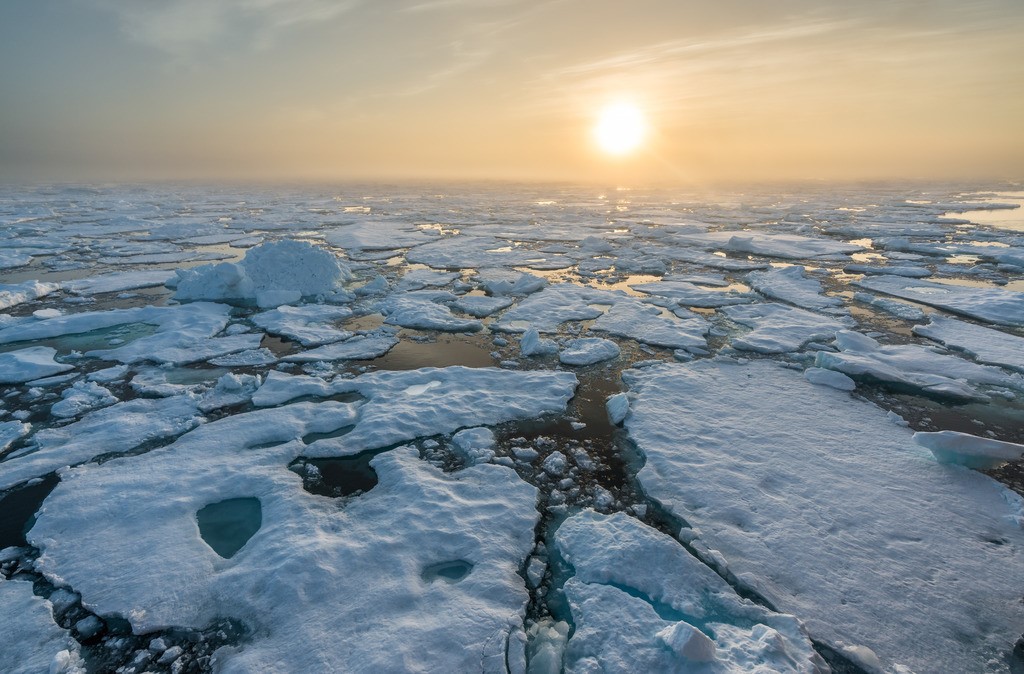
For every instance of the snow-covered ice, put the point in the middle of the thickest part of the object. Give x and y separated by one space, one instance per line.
969 450
309 324
588 350
777 328
991 305
985 345
31 642
33 362
760 462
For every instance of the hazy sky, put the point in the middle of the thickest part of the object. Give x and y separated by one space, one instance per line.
438 89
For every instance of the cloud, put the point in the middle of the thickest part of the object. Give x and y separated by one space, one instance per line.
180 26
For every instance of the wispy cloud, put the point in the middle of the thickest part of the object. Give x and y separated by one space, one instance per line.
178 26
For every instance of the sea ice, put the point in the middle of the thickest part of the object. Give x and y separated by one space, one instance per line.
991 305
777 328
556 304
532 344
30 641
361 347
309 324
913 365
118 282
33 362
474 445
10 432
646 324
689 294
641 603
792 285
151 565
588 350
985 345
420 309
481 305
13 294
276 273
82 397
969 450
898 309
379 235
820 520
118 428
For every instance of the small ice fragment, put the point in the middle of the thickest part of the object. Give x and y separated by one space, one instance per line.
823 377
688 642
531 344
618 407
969 450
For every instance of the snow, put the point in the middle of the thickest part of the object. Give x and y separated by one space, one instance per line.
30 641
826 528
588 350
913 365
309 324
118 282
151 565
985 345
118 428
777 328
991 305
13 294
33 362
646 324
641 602
964 449
792 285
271 272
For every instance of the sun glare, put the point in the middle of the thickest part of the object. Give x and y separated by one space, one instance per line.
620 128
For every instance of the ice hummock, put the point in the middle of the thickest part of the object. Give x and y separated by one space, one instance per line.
270 274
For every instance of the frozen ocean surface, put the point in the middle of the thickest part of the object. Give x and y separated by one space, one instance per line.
509 428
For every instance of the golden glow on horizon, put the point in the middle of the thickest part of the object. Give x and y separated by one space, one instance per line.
620 128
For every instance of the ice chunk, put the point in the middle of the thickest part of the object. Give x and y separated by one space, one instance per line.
531 344
645 324
10 431
474 445
588 350
250 358
641 602
508 282
690 295
379 235
118 428
481 305
30 363
983 344
792 285
618 407
360 347
309 325
969 450
779 329
893 270
820 521
836 380
118 282
13 294
290 266
82 397
896 308
419 309
913 365
555 305
30 641
991 305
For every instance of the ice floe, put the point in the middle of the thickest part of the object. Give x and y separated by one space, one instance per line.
309 324
915 366
819 519
588 350
646 324
13 294
777 328
985 345
640 602
969 450
991 305
794 286
33 362
152 565
31 642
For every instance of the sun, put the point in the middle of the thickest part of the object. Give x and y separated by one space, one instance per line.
620 128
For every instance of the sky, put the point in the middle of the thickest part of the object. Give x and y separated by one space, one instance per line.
730 90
